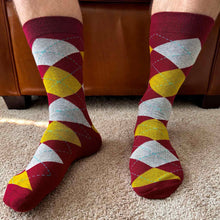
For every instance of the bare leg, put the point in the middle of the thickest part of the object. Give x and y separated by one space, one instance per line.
210 8
28 9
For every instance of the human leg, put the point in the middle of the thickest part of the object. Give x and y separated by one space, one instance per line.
210 8
29 9
56 40
176 38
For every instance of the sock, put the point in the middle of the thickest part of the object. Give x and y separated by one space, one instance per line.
175 42
57 47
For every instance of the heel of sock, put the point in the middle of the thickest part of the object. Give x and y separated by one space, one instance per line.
94 144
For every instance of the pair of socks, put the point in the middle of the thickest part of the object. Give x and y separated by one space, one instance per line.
57 46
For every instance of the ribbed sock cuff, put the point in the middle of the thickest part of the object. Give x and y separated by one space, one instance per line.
194 25
42 26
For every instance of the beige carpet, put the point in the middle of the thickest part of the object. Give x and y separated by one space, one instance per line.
98 187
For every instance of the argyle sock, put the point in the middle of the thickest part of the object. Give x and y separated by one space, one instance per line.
175 42
57 46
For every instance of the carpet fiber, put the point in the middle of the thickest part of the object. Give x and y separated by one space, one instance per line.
98 187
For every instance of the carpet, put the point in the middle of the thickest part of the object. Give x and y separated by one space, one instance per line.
98 187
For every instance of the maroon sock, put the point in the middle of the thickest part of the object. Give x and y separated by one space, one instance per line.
57 46
175 41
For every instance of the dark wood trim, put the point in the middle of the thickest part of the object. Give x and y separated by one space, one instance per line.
7 28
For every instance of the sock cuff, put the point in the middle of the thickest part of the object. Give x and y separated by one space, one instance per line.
182 22
41 26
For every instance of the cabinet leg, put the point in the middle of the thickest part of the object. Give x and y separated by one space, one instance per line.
17 102
210 101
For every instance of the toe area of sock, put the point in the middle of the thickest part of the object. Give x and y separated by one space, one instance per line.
158 190
18 198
